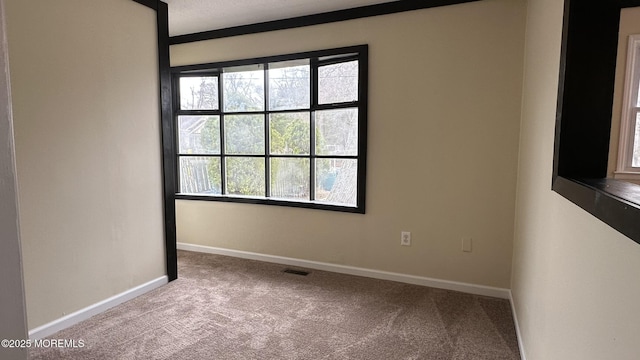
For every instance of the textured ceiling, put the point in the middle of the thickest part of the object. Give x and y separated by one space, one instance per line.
190 16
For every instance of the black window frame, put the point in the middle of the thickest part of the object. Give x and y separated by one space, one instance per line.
316 59
583 120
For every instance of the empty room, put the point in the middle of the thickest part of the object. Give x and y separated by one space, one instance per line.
354 179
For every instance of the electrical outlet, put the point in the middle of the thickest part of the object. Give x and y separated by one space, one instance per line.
405 238
466 244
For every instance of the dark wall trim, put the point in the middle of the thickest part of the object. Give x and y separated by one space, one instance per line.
583 120
316 19
166 110
153 4
205 68
605 199
168 147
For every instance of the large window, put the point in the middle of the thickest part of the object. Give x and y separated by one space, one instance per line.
285 130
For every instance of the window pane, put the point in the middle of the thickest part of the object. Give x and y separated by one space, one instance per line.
199 134
243 88
199 93
244 134
245 176
635 162
200 175
338 83
337 132
289 133
289 85
336 181
290 178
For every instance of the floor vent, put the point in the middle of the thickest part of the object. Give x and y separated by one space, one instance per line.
296 272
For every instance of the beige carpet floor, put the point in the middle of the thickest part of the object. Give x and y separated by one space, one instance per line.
229 308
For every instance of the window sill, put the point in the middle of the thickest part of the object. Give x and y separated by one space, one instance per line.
627 175
271 201
613 201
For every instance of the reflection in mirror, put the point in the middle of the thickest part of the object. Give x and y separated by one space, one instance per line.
624 146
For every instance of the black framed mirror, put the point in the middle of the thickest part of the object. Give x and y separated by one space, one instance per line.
583 120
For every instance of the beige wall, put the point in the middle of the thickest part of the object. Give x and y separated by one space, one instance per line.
444 109
85 99
12 303
575 280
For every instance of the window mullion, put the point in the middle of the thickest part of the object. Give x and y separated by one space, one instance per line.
223 162
337 106
312 128
198 112
267 159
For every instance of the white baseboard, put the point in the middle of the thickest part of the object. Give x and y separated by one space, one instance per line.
517 325
83 314
351 270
